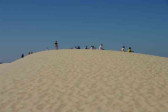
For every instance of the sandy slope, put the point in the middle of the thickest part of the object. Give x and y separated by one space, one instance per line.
85 81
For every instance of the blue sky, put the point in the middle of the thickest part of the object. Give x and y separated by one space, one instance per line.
34 25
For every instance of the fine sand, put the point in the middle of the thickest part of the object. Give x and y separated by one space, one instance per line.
85 81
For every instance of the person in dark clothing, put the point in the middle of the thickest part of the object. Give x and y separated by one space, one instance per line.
22 56
78 47
56 45
86 47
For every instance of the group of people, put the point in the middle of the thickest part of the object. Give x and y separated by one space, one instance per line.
101 48
77 47
29 53
86 47
129 49
91 47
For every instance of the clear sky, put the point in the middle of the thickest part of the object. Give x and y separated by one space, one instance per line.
27 25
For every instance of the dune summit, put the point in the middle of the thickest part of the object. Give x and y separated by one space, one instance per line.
85 81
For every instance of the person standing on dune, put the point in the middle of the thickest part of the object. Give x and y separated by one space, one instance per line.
56 45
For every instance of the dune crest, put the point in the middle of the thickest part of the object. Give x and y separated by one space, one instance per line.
85 81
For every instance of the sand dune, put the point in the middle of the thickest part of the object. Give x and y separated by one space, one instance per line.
85 81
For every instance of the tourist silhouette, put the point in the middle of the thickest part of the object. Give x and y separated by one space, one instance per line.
22 56
56 44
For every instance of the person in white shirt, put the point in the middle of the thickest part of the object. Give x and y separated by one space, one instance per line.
91 47
101 47
123 49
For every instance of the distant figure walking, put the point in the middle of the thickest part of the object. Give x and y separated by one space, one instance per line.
123 49
101 47
22 56
129 50
56 45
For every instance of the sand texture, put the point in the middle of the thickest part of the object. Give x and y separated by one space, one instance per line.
85 81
